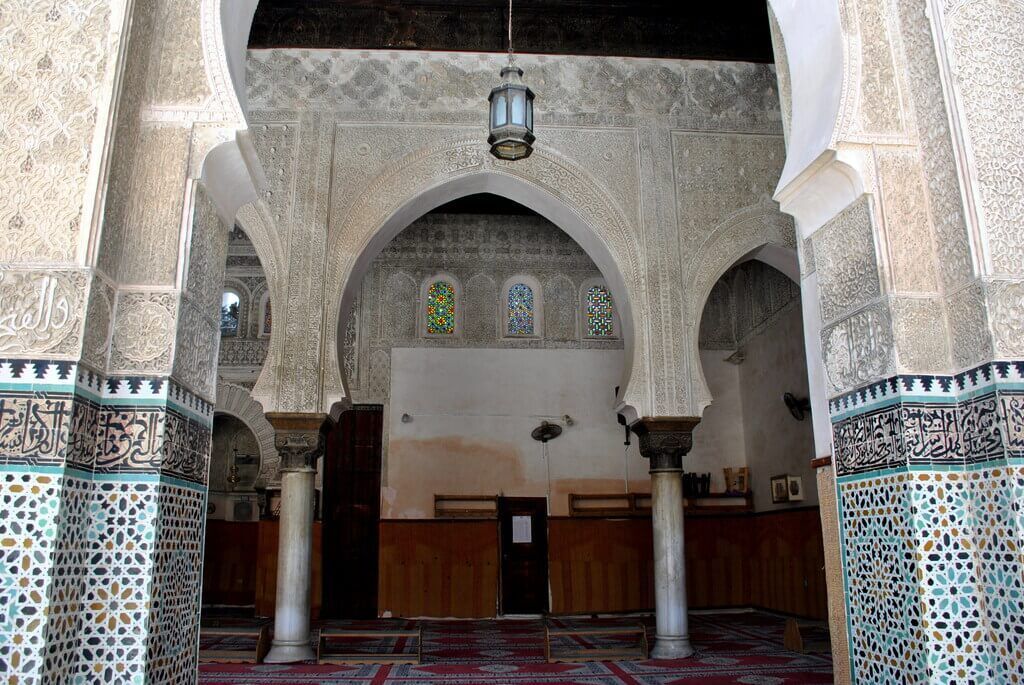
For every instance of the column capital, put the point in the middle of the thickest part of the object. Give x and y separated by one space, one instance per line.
665 439
300 438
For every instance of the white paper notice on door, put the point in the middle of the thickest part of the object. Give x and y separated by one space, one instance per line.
522 532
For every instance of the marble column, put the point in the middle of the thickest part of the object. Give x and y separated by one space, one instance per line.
664 441
299 439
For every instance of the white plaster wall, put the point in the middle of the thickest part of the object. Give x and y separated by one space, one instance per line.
776 442
472 412
718 440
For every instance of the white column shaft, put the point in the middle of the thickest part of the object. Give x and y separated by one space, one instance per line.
672 640
294 567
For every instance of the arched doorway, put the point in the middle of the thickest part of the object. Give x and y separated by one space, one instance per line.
534 333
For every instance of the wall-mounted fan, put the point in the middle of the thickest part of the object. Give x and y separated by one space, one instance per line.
546 431
798 407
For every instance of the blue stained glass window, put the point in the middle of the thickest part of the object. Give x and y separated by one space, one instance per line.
600 322
440 309
520 310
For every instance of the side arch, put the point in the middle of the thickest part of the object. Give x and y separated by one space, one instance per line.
760 232
546 182
236 401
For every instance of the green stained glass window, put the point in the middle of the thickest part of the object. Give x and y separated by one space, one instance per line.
600 323
440 308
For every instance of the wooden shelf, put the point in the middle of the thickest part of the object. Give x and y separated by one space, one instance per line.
465 506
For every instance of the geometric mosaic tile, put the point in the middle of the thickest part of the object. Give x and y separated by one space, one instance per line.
931 495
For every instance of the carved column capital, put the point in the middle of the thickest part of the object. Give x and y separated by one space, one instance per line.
664 440
300 438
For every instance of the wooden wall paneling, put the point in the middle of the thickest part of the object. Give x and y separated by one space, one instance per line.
229 563
266 569
787 563
439 568
600 565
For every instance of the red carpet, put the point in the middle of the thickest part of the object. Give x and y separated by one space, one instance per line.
731 648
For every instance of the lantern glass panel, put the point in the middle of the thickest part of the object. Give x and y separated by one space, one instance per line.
499 111
529 115
518 108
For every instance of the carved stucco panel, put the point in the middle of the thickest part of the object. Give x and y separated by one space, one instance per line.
859 349
844 254
1006 313
986 48
177 74
879 95
721 95
398 306
612 151
207 255
42 312
716 175
922 343
99 317
52 87
935 144
196 351
275 144
968 326
143 243
481 307
560 308
908 227
144 327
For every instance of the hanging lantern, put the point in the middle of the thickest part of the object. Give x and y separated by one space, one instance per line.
511 110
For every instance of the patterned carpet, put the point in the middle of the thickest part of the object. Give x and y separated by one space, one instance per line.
731 648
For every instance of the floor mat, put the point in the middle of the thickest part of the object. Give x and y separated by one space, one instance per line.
741 648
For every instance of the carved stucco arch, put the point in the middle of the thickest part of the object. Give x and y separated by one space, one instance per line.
236 401
758 231
546 182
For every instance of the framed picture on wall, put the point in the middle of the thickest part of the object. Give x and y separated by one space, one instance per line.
795 487
780 489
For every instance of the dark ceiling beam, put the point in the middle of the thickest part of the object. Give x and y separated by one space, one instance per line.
727 30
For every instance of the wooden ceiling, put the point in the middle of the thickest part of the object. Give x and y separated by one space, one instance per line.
680 29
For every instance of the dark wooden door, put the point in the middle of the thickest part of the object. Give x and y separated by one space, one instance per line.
351 507
524 555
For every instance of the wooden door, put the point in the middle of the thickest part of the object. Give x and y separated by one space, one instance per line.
524 555
351 520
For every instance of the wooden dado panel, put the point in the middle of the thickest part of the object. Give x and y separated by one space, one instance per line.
599 565
438 568
229 563
266 570
787 563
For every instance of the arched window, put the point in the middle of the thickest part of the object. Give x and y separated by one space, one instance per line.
520 310
523 307
600 313
441 308
229 311
265 317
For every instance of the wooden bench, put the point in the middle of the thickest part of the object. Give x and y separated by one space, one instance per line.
595 653
325 657
235 656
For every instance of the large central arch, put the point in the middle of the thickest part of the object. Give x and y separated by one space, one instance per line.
547 183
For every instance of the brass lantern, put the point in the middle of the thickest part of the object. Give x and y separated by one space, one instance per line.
511 121
511 116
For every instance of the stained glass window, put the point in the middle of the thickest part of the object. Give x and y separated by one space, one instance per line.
229 313
267 319
599 313
441 308
520 309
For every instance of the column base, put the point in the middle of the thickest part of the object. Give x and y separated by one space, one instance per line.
672 647
289 652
